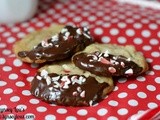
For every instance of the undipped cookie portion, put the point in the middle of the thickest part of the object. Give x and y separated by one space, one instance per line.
56 47
111 60
65 84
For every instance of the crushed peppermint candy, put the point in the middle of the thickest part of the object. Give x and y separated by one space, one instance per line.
64 30
39 77
66 68
129 71
112 69
79 31
82 94
54 38
44 73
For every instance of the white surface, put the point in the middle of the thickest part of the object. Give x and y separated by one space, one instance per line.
13 11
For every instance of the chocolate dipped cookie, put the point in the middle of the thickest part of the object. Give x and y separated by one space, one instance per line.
52 44
111 60
65 84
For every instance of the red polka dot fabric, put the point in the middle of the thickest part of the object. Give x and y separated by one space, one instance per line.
109 22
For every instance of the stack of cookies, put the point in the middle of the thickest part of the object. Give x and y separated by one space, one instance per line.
77 71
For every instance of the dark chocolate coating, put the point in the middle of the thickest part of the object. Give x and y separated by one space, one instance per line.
109 65
66 91
63 45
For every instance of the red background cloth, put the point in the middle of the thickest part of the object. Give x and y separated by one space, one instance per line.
110 22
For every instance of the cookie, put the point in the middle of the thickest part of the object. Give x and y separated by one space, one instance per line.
52 44
65 84
111 60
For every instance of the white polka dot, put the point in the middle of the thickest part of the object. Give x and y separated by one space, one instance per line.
34 101
141 78
2 61
62 19
158 97
106 25
132 86
133 102
39 24
122 95
11 39
17 63
91 118
13 76
30 78
154 41
122 40
84 23
121 25
157 80
21 107
50 117
2 83
98 31
138 41
6 52
15 29
20 84
122 80
21 34
3 45
152 105
153 26
82 112
147 47
112 118
6 34
92 18
48 20
129 20
25 24
61 111
142 95
114 31
3 106
85 14
26 92
102 112
149 60
30 29
137 25
105 39
8 91
158 34
146 33
155 54
130 32
156 67
7 68
24 71
122 111
2 29
15 99
151 87
150 72
71 118
145 21
77 19
41 109
113 103
50 11
115 88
